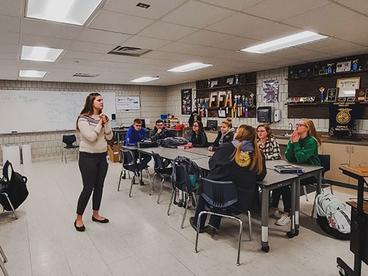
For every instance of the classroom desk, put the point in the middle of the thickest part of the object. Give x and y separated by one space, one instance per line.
199 151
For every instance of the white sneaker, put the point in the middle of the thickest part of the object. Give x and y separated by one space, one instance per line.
284 220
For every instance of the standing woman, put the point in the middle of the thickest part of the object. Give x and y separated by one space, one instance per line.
94 129
225 135
301 149
267 143
198 137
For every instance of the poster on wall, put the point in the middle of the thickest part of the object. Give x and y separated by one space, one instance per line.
186 101
127 102
270 91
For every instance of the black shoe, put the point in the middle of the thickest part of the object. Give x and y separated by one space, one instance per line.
141 182
211 230
105 220
79 228
194 225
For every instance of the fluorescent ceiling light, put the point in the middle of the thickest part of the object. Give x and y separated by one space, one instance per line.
31 74
65 11
189 67
40 53
145 79
284 42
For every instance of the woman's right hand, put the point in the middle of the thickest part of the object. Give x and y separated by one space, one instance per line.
210 148
294 137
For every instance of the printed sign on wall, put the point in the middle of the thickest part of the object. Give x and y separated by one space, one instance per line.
186 101
270 91
127 102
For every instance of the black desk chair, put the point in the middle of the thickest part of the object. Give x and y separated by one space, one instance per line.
3 260
180 182
69 140
162 171
130 165
220 197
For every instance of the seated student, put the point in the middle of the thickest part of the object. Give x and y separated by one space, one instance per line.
225 135
134 135
236 161
302 148
160 132
198 137
194 117
267 143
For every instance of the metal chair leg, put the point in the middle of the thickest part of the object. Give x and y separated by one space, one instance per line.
152 182
11 205
2 266
3 261
131 186
314 205
239 242
2 253
331 189
185 211
198 227
305 193
121 175
171 200
160 191
250 225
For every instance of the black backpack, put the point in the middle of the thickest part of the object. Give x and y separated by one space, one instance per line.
173 142
192 170
14 185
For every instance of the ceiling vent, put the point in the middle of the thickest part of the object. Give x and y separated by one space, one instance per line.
85 75
143 5
129 51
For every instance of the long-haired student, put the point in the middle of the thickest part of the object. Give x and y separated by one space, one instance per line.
94 131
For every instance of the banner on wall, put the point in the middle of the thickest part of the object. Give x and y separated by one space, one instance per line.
127 102
270 91
186 101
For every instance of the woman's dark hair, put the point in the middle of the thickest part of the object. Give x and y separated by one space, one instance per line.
88 105
194 117
200 125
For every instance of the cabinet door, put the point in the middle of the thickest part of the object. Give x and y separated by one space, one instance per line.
339 154
358 157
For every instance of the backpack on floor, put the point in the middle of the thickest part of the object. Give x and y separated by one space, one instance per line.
14 185
333 216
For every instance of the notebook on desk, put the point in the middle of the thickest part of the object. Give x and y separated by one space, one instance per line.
288 169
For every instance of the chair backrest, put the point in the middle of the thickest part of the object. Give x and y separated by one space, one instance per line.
180 177
325 160
219 194
69 139
159 164
128 159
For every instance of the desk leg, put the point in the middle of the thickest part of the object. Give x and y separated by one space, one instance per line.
264 235
292 231
297 206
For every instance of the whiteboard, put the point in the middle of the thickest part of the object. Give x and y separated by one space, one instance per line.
127 103
34 111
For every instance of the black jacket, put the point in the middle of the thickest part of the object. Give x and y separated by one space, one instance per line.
198 140
227 139
223 168
162 135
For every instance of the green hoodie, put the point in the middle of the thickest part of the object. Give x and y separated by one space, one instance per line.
305 151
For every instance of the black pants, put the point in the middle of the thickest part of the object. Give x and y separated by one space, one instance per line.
93 167
286 198
214 220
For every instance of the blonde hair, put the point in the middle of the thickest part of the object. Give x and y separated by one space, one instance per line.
227 122
243 133
311 130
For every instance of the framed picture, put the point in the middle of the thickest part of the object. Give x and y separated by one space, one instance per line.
186 101
331 95
347 87
360 95
343 66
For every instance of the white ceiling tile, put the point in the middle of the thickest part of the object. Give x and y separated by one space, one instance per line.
145 42
9 38
45 41
196 14
190 49
281 9
117 22
105 37
47 28
177 57
233 4
157 9
9 24
236 43
336 21
91 47
204 37
252 27
332 45
162 30
358 5
11 7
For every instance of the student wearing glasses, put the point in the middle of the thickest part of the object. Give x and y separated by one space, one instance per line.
301 149
136 133
198 137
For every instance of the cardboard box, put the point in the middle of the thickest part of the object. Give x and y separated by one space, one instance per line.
114 153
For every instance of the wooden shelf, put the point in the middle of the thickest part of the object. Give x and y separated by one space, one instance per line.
226 87
328 75
303 104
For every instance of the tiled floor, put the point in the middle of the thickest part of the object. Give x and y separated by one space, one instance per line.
141 239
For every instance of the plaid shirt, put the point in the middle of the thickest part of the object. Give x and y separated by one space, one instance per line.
270 149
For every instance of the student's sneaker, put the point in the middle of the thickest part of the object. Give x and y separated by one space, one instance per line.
284 220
